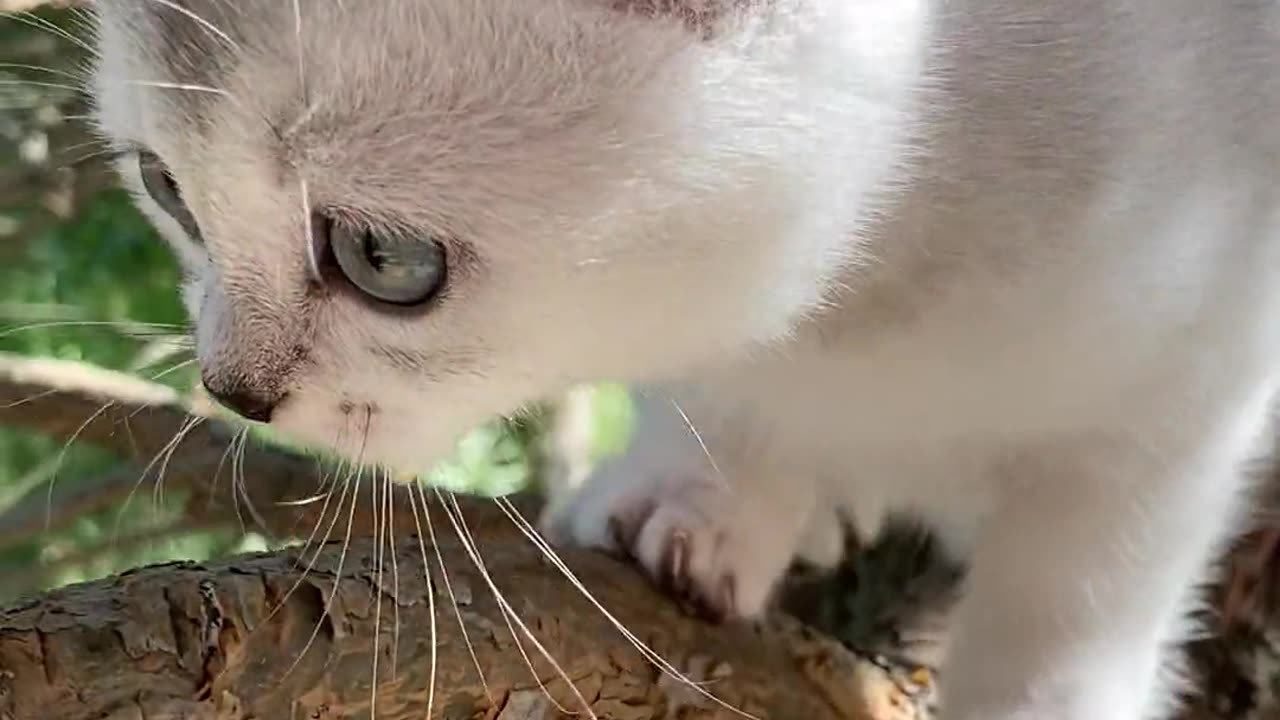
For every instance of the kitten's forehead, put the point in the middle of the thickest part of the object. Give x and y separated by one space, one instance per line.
198 41
194 43
267 46
447 114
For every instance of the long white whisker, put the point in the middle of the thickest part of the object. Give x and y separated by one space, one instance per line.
448 586
187 87
303 502
190 424
358 466
507 618
313 261
84 323
102 152
379 559
175 368
164 450
30 398
244 488
328 483
530 532
40 68
35 21
297 36
337 514
208 26
395 575
62 456
43 84
324 511
698 436
468 544
431 603
235 487
217 475
103 147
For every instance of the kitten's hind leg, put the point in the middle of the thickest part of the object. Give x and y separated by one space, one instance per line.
1082 578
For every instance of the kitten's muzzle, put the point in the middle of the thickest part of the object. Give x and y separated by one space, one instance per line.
251 403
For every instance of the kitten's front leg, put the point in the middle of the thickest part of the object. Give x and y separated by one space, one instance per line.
704 500
1081 580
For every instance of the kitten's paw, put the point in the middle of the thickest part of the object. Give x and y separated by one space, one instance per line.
693 556
717 549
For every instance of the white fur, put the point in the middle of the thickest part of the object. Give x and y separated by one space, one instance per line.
1012 266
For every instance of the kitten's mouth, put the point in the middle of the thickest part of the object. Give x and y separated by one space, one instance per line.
349 408
353 435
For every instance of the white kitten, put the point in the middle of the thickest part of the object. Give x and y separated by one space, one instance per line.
1013 266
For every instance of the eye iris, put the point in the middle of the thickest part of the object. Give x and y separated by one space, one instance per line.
389 268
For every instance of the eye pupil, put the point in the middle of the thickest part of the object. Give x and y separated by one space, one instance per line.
372 253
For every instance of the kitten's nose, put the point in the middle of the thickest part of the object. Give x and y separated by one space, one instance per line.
248 402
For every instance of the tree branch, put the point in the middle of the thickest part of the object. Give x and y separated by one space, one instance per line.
202 641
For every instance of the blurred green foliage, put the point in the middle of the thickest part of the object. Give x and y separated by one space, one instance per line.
100 286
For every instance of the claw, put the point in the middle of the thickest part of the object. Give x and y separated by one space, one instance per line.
675 565
728 597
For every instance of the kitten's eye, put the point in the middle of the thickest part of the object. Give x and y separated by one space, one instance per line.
162 188
389 267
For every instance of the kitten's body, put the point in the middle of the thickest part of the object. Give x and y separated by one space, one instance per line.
1012 265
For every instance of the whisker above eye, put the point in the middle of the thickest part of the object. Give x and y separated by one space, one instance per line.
29 18
191 87
297 34
202 22
79 77
127 327
44 84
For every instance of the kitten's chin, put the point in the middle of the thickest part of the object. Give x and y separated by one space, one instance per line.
367 436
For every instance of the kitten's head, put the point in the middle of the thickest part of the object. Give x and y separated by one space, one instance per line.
401 217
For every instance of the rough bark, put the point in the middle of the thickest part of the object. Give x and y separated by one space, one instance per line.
257 637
